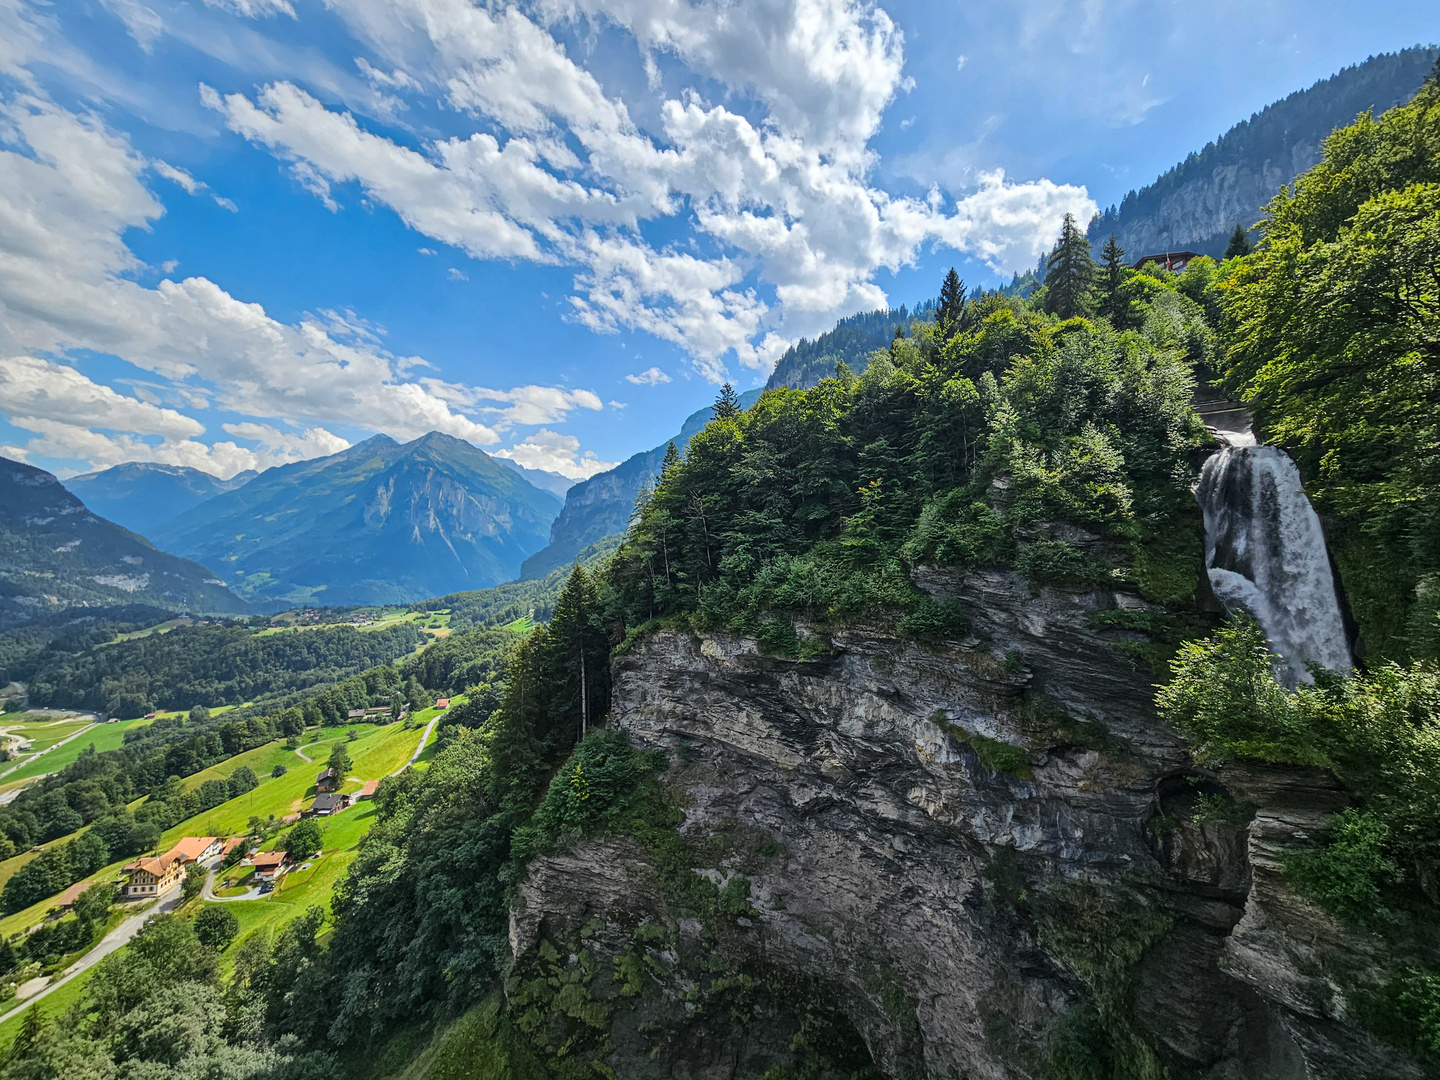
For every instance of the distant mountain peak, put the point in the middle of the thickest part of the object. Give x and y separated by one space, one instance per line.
379 522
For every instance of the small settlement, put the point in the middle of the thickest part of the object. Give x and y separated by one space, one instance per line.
151 876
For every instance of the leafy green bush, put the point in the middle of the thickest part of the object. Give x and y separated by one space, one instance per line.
1055 562
933 621
1406 1011
1348 875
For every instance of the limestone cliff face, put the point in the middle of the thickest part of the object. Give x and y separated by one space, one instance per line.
959 917
1196 204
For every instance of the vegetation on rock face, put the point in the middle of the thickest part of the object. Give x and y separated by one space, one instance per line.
1379 732
970 451
1332 336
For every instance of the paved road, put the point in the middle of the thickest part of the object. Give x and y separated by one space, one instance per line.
208 892
108 944
28 758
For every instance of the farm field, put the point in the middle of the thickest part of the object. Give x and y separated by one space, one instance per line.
262 759
434 623
43 733
283 795
103 737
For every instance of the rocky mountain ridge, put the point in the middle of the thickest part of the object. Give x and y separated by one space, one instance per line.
979 851
1197 204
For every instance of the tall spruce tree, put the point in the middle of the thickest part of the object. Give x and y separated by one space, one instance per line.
671 458
1239 243
727 405
1114 305
952 303
578 661
1069 273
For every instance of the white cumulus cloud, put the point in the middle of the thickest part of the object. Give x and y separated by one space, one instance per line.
557 453
649 377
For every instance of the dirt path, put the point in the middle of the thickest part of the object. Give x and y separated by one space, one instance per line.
425 738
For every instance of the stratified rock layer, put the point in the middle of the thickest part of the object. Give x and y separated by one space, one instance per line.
939 901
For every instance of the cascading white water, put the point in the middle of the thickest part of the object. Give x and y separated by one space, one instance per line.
1265 554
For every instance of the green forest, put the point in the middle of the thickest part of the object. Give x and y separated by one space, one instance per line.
1053 435
206 665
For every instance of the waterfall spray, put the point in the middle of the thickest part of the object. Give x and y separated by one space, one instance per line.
1265 555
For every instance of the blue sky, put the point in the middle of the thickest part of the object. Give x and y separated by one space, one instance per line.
242 232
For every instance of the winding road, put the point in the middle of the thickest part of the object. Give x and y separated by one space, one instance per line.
425 738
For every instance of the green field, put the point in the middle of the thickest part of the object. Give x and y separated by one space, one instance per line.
435 623
103 737
380 748
301 889
262 759
44 734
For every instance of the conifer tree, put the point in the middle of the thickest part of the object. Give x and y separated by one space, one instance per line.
671 459
952 303
1239 243
577 662
1114 305
727 405
31 1030
1069 273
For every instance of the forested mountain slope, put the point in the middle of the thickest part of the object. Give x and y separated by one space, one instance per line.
379 522
600 507
851 342
56 554
143 496
1197 204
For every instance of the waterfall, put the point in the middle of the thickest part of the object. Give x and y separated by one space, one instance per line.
1265 555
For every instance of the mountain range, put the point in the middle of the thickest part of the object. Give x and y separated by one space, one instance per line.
143 495
380 522
1196 205
57 554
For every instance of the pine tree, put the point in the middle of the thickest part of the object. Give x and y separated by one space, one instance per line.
952 303
671 459
1069 273
31 1030
1239 243
1114 305
578 658
727 405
